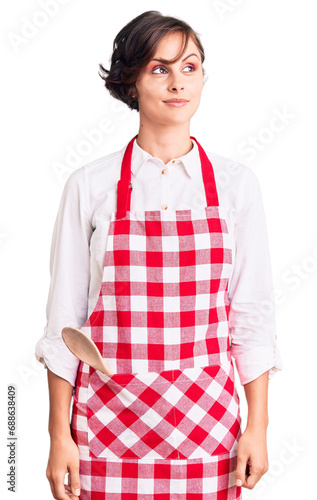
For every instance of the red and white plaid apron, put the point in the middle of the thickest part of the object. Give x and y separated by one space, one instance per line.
166 424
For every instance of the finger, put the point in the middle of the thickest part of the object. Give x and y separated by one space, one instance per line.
241 470
59 487
70 496
69 493
52 488
74 480
50 480
52 485
256 472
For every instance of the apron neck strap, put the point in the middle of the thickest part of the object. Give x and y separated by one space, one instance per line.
124 184
125 187
208 177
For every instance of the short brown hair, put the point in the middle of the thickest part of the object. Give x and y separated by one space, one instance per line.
134 47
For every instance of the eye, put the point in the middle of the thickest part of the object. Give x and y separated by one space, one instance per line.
157 69
191 67
161 70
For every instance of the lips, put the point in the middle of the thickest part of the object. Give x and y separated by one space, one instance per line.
176 103
176 100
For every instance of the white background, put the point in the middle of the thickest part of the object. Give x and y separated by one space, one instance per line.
260 61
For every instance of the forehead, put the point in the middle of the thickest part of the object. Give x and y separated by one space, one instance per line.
171 45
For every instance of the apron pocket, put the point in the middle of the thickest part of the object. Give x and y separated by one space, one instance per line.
174 414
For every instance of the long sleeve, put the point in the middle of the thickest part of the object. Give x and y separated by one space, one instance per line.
70 275
252 312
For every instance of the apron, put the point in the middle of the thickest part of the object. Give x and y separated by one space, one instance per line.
166 424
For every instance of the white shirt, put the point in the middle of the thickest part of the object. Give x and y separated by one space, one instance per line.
80 235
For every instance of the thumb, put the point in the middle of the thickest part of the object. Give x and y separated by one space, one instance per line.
240 470
74 480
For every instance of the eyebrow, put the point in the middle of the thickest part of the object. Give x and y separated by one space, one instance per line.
162 60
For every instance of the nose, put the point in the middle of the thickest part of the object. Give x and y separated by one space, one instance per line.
175 84
176 88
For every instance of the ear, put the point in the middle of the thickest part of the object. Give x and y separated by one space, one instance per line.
134 93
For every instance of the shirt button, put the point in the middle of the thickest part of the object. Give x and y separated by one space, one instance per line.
173 161
164 171
164 207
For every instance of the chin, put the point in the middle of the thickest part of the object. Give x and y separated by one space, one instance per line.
176 121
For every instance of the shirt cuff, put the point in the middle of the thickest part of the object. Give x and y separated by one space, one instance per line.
257 360
55 355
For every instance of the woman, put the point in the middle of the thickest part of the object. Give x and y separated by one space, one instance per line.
165 262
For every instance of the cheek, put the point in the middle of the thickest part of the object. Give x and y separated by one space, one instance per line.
197 88
148 97
146 89
149 94
148 102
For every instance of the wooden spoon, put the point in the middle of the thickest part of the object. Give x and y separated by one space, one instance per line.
84 349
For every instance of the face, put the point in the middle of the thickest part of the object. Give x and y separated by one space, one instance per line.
158 83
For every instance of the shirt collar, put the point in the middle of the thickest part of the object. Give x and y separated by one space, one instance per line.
189 160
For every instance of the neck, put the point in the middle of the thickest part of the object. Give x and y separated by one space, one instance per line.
165 142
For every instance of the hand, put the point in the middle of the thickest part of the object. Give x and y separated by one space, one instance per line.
252 460
63 458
